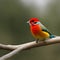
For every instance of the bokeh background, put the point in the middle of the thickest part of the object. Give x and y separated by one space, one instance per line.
14 30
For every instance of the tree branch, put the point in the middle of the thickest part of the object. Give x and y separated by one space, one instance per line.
17 48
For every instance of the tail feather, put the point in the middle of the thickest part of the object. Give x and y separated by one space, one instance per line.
52 36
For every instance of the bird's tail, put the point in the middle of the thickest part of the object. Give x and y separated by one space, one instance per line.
52 36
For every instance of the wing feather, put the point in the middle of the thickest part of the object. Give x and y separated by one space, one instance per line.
44 28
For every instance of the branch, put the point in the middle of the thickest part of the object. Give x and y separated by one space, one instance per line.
32 44
17 48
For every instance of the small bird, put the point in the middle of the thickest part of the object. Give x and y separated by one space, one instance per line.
38 30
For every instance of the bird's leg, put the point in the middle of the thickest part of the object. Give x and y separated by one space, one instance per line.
37 40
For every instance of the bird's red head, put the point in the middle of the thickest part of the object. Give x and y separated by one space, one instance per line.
33 21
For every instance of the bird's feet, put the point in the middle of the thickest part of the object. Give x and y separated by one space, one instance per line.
43 40
37 40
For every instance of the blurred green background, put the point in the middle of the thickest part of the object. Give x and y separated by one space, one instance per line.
14 30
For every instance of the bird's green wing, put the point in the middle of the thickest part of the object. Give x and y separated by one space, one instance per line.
44 28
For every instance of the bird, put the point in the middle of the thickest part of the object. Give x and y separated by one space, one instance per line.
38 30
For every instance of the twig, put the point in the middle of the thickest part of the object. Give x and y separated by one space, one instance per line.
8 47
29 45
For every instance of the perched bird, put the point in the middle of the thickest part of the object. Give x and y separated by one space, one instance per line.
38 30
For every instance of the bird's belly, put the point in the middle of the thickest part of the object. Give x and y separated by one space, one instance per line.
44 34
40 34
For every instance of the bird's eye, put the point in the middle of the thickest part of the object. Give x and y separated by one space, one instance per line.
32 21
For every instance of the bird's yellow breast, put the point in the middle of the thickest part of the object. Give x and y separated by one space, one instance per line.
44 34
41 34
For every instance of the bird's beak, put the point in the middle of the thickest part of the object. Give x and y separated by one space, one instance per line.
27 21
